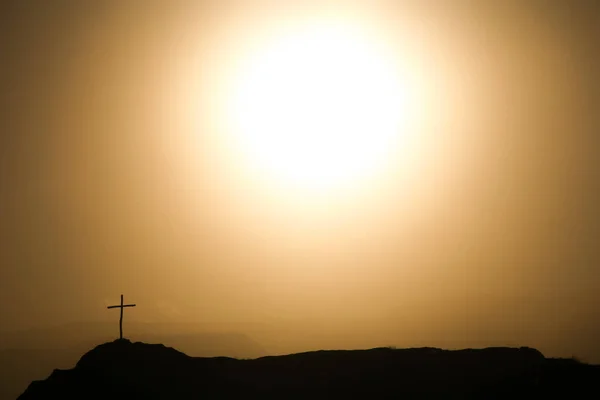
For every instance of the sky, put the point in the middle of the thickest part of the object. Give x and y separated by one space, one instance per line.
118 175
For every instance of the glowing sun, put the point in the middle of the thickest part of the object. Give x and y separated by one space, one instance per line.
320 106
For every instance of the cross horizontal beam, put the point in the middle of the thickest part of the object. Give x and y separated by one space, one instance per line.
120 306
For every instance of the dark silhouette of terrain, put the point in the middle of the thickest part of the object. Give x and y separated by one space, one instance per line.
124 370
33 354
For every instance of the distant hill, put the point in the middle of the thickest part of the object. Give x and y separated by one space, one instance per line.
33 354
126 370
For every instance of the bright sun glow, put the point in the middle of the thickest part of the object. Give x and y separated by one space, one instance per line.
321 107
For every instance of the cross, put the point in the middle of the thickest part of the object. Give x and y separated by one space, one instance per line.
121 306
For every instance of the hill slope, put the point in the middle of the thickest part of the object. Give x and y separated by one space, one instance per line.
122 370
33 354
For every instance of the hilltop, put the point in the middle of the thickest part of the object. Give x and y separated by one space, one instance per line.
33 354
123 370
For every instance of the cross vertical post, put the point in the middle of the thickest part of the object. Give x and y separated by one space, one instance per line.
121 320
121 306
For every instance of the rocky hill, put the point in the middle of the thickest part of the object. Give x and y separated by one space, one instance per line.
33 354
124 370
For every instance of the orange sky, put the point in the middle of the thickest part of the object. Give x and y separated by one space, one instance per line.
115 177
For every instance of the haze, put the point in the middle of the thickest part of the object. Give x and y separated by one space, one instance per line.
121 172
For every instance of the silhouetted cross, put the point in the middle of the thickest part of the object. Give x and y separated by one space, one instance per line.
121 306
